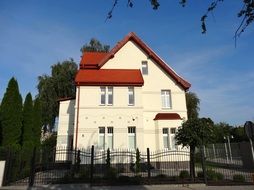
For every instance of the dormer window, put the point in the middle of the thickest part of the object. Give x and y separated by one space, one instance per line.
144 68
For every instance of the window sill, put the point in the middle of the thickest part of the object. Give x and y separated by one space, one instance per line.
164 108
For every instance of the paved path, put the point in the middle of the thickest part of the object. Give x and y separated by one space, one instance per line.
133 187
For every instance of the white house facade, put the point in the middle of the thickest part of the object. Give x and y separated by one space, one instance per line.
127 98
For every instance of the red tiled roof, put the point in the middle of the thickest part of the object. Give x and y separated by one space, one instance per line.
116 77
91 59
167 116
152 55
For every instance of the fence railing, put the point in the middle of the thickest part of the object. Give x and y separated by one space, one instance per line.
63 165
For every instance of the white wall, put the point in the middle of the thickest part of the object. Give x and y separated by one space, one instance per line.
66 122
2 167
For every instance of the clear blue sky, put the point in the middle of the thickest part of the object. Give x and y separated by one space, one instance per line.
35 34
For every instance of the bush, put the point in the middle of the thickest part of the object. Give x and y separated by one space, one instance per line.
111 173
124 179
184 174
238 178
136 180
200 174
161 176
214 176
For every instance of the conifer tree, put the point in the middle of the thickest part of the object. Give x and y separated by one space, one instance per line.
27 128
11 114
37 121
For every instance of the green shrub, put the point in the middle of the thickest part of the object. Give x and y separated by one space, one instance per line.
161 176
200 174
124 179
238 178
184 174
214 176
111 173
84 174
136 180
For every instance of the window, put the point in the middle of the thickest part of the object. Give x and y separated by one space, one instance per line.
110 95
132 137
166 98
131 95
101 143
106 95
165 138
110 137
103 95
173 130
144 68
172 138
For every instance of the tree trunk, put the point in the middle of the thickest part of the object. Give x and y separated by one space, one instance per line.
192 162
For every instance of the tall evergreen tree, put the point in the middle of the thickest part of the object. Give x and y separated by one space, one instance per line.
37 121
1 135
11 113
27 128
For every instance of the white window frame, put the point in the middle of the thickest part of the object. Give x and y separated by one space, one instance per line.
132 133
144 67
110 91
172 139
110 134
103 95
166 102
101 135
106 92
166 135
131 92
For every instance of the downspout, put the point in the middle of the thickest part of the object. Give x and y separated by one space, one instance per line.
77 119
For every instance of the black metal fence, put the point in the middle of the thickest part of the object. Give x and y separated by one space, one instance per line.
62 165
229 162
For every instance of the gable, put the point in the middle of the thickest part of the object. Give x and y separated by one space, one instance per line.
129 52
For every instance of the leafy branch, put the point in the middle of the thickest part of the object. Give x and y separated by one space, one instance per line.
246 13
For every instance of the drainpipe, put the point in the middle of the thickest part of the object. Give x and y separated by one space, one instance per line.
77 119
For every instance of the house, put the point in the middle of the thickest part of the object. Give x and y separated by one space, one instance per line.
127 98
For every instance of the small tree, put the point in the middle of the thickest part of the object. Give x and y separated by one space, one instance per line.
194 133
137 163
108 159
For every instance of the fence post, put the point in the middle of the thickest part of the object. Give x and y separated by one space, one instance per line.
148 163
92 164
32 168
203 164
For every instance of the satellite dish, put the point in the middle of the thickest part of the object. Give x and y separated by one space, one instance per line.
249 129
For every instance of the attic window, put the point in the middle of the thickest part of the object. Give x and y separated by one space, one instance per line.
144 68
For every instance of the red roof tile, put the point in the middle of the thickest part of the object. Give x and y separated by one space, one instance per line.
116 77
133 37
91 59
167 116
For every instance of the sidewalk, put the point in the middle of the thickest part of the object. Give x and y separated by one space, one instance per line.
132 187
